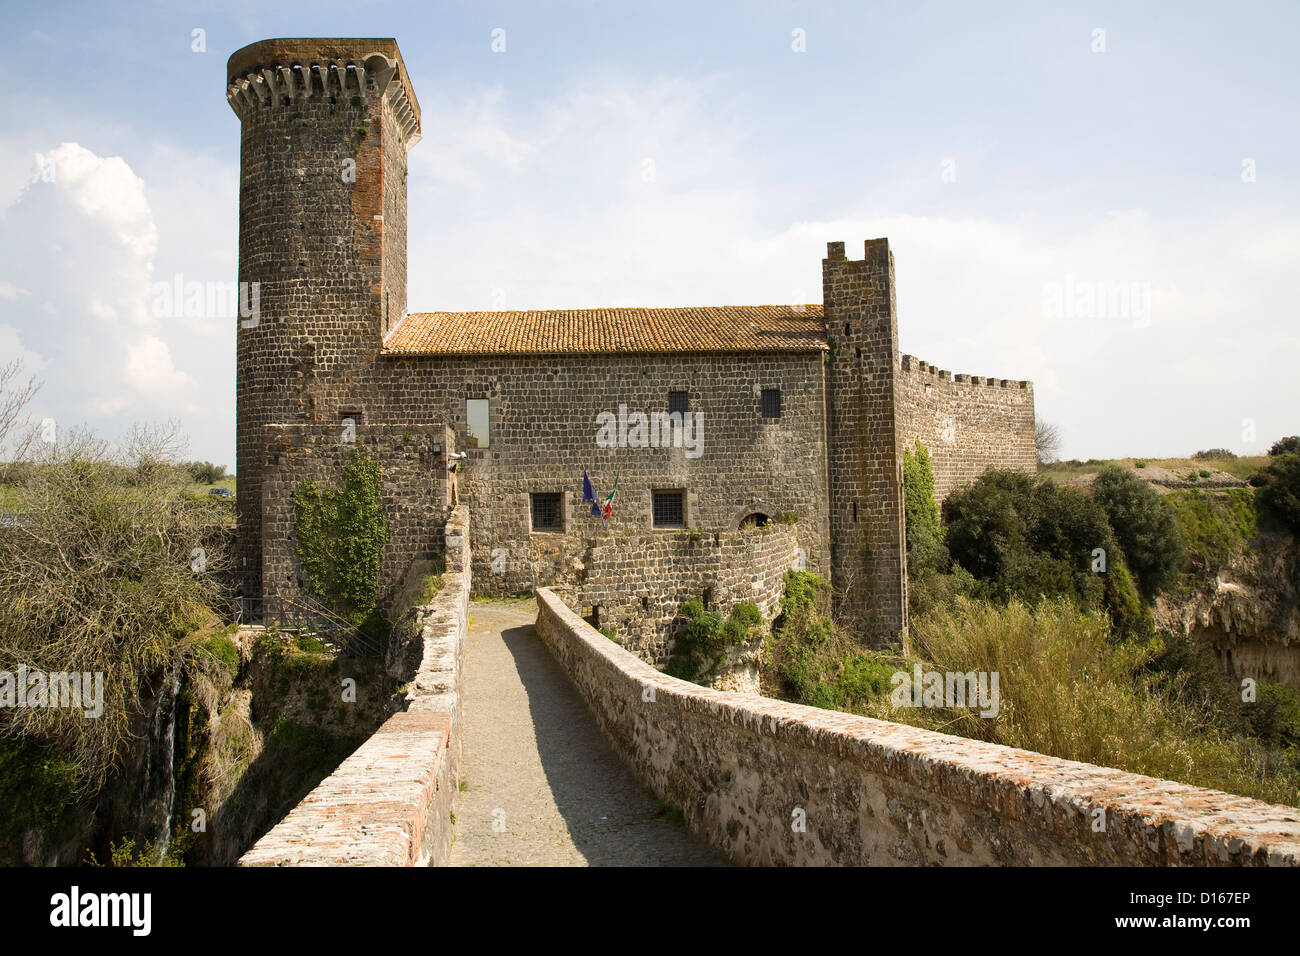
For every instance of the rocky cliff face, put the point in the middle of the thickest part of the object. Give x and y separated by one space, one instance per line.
1246 611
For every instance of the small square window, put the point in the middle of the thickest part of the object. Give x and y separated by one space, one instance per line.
547 512
679 402
669 509
771 403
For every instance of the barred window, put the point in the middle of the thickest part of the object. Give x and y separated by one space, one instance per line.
547 513
668 509
679 402
771 403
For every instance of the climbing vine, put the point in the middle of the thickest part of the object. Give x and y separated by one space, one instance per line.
341 535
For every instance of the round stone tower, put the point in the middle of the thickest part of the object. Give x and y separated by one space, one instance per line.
326 125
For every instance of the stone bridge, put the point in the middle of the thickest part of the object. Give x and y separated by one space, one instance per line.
529 738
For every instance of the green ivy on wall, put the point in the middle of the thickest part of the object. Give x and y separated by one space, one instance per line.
341 536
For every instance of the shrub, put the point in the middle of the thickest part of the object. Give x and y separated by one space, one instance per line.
1285 446
1068 690
1144 526
1278 496
810 660
1027 537
924 532
1214 453
704 637
1139 464
205 472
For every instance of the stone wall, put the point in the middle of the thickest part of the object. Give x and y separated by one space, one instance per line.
968 423
416 494
543 433
639 580
771 783
389 804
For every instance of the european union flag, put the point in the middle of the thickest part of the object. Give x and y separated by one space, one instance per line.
589 494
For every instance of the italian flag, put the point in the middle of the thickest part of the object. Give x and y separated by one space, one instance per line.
608 510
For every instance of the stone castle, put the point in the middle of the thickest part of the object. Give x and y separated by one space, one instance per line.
748 439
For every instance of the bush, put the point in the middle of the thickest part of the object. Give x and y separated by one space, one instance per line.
205 473
1214 453
925 548
704 637
1026 537
810 660
1278 496
1285 446
1144 526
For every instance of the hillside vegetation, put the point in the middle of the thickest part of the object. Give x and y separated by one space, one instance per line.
1050 585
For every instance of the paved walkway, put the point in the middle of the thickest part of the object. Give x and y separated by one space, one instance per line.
540 785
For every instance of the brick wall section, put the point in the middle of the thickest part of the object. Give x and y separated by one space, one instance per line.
415 492
969 423
877 793
866 485
640 580
543 434
389 804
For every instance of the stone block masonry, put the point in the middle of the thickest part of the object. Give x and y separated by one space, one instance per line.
771 783
968 423
415 492
389 803
638 581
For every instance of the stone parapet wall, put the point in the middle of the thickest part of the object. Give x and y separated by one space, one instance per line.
747 771
389 803
640 580
968 423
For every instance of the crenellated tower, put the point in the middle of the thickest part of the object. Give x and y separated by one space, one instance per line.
326 125
868 555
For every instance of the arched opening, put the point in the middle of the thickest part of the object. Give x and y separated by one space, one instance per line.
754 519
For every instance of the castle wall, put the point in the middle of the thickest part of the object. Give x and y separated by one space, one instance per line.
543 412
415 492
968 423
640 579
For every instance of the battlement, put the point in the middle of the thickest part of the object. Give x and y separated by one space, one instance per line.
281 72
910 363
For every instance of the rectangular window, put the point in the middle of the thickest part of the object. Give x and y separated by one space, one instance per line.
547 511
476 422
771 403
679 402
669 510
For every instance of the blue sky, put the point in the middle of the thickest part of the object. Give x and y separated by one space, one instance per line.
1121 225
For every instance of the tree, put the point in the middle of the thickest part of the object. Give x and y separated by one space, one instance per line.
1285 446
16 437
921 513
1047 441
1144 526
1279 490
110 564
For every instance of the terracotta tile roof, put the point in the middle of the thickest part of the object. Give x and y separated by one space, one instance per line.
723 328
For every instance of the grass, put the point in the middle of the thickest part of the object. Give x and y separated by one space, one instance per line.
198 489
1216 527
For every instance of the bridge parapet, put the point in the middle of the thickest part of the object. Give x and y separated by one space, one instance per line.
767 782
389 803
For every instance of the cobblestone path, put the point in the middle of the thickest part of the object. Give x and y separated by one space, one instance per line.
541 786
